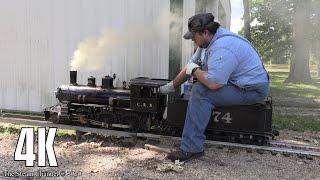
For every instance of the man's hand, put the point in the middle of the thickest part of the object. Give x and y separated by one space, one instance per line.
190 67
168 88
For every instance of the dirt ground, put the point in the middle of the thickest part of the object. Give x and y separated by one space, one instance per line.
96 158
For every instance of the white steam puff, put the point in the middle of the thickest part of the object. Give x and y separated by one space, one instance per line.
94 52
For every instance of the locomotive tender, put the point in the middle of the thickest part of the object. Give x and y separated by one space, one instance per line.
141 108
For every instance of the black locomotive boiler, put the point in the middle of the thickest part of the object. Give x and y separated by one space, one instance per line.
141 108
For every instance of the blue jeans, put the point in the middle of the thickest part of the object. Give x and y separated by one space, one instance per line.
203 100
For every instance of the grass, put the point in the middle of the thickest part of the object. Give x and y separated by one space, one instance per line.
278 88
307 91
296 123
7 129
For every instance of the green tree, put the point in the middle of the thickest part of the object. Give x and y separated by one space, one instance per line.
283 31
299 64
315 32
247 19
271 33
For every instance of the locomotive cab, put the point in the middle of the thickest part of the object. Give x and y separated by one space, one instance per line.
145 95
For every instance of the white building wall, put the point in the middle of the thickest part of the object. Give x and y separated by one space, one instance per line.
38 38
226 7
189 10
189 7
220 6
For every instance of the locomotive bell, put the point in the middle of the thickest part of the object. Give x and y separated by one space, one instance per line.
92 81
107 82
73 77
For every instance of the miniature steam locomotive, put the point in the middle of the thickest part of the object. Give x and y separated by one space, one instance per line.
141 108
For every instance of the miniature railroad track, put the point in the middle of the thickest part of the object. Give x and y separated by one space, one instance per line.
42 123
274 147
9 178
295 146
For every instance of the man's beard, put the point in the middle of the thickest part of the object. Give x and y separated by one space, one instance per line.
204 45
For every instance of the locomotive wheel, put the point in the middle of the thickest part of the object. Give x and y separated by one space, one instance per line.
260 140
83 114
234 138
131 119
54 119
107 118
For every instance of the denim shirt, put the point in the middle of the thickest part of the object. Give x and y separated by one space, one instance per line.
232 60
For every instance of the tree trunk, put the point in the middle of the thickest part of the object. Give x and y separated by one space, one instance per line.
318 67
299 64
317 53
247 19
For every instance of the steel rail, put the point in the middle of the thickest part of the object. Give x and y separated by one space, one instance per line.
244 146
22 116
295 146
105 132
9 178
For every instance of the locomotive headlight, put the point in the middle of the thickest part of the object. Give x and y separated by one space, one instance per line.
57 92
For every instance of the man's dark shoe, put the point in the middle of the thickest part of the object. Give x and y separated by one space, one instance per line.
183 156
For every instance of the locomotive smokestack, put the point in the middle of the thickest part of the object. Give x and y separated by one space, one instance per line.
73 77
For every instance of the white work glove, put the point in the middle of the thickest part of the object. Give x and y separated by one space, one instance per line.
190 67
168 88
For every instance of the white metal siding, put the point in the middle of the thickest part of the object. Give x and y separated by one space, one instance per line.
213 7
38 38
187 45
189 10
227 9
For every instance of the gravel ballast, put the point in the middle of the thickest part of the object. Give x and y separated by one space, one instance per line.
105 159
